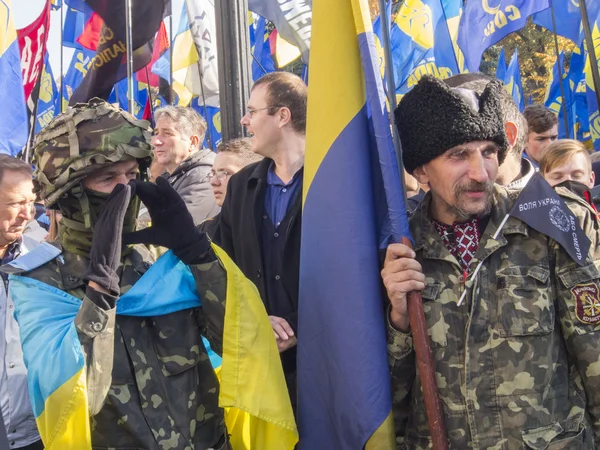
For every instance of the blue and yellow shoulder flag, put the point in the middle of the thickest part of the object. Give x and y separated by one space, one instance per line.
512 81
13 118
49 97
421 42
501 69
253 392
567 19
352 204
485 22
56 4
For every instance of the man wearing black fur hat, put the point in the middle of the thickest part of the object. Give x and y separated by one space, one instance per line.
516 352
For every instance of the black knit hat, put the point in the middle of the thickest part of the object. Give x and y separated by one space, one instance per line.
433 118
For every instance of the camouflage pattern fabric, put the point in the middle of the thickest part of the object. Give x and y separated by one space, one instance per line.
150 382
516 367
82 139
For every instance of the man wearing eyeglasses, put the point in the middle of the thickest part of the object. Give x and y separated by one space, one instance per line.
16 210
177 144
261 214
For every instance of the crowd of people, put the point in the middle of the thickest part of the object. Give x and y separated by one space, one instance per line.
512 318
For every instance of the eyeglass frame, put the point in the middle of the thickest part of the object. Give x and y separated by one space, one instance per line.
220 175
250 112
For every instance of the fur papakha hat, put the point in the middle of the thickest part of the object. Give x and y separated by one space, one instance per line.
433 118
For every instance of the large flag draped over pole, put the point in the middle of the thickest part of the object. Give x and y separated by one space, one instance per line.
421 42
352 193
292 18
13 116
483 24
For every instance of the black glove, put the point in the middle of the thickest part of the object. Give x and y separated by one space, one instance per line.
105 255
172 224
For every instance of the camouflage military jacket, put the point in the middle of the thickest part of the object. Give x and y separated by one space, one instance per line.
150 382
518 363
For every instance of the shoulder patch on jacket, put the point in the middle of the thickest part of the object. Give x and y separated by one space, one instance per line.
35 258
587 303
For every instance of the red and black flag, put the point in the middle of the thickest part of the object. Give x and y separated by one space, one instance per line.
110 62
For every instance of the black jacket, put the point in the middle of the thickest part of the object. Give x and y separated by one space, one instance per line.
239 233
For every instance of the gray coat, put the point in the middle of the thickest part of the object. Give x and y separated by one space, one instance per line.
190 180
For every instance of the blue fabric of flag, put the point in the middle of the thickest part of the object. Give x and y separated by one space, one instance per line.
581 111
119 95
56 5
512 81
212 116
74 25
13 116
262 63
49 98
483 24
379 42
567 18
349 156
501 69
80 5
421 42
80 64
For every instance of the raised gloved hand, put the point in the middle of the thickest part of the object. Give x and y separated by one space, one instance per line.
172 225
105 254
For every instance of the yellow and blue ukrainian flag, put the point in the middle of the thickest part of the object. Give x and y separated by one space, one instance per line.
13 118
253 392
352 207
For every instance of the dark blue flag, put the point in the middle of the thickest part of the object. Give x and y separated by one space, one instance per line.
483 24
567 19
540 207
501 69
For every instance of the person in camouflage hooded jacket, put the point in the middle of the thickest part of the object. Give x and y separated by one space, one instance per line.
150 382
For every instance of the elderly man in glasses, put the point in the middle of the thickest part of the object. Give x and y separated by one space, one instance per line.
177 145
261 214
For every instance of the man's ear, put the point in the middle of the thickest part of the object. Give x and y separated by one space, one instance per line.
420 173
512 132
285 116
194 142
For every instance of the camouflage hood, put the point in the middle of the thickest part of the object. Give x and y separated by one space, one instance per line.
84 138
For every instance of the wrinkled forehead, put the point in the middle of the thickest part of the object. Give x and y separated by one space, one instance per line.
474 146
